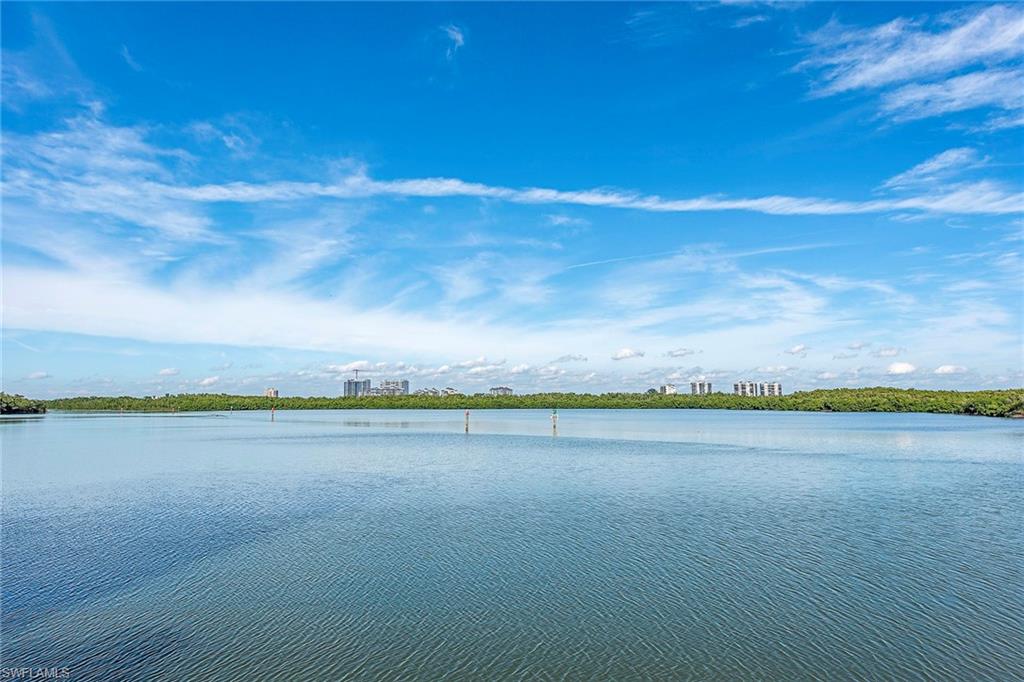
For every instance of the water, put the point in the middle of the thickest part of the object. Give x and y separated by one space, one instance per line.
634 545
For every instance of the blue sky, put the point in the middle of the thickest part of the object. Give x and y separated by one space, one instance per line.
583 197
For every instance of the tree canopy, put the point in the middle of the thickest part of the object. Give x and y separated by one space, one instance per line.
19 404
1002 403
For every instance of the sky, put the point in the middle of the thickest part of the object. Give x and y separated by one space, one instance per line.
553 197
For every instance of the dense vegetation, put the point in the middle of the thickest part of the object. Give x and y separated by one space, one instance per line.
19 404
1005 403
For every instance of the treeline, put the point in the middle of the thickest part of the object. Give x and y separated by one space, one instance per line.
19 404
1004 403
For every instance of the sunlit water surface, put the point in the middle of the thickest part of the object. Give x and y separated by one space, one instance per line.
632 544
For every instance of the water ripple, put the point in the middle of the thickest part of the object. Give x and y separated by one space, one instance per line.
444 557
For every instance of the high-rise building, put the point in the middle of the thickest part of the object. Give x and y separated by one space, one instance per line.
501 390
270 393
400 387
668 389
771 388
357 387
700 387
744 388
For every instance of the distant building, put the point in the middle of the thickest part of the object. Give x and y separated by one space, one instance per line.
771 388
700 387
501 390
745 388
445 392
668 389
270 393
355 388
394 387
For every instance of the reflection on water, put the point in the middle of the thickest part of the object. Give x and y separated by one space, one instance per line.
638 544
378 424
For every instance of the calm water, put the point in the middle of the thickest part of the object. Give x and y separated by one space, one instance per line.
635 544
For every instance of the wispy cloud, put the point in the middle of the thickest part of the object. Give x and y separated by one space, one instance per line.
233 131
93 167
560 219
571 358
901 50
919 64
994 199
42 71
750 20
942 166
126 55
456 39
657 26
1000 88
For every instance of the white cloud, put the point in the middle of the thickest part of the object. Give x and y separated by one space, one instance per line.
560 219
902 50
681 352
995 199
360 365
950 369
858 345
940 166
901 368
750 20
456 39
168 372
888 352
799 350
921 67
999 122
481 361
627 353
209 381
968 285
774 369
93 168
129 59
827 376
38 375
231 131
1002 88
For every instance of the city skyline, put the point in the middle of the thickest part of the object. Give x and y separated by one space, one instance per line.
649 194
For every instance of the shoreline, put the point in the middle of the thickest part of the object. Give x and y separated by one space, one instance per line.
1008 403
